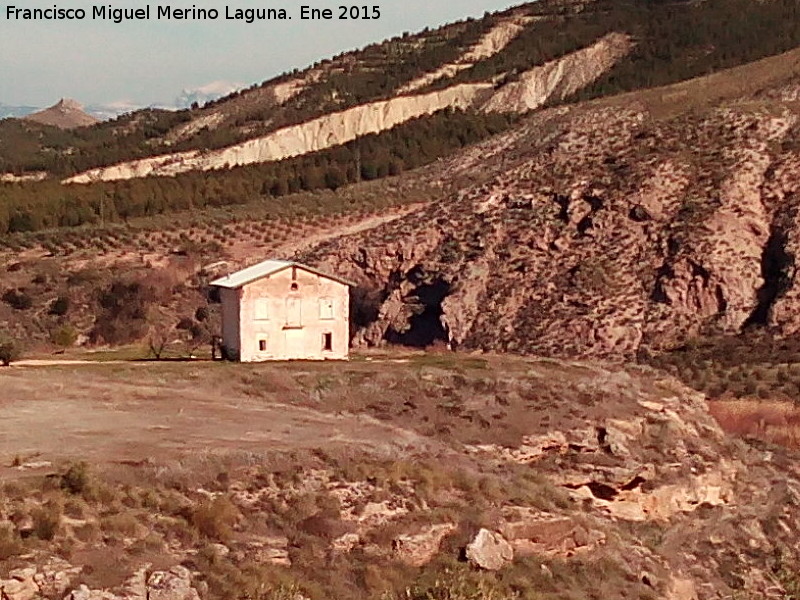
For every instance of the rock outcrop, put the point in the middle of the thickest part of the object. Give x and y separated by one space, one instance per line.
624 477
603 232
54 579
418 549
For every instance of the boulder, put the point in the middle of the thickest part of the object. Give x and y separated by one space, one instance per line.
135 587
489 550
272 550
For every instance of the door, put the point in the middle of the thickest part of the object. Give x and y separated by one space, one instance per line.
294 344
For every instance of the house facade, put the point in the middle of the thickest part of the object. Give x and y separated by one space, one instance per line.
280 310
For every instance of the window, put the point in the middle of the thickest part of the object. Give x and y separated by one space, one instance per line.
294 287
262 309
293 312
262 345
326 308
327 341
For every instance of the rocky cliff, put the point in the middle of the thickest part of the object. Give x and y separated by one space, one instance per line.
605 230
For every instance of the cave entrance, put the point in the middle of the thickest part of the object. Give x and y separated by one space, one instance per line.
425 326
775 266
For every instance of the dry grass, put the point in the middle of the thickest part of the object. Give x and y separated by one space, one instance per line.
771 421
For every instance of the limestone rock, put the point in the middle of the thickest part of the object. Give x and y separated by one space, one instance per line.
295 140
54 576
489 550
175 584
562 77
418 549
273 550
533 532
135 587
82 592
345 542
20 585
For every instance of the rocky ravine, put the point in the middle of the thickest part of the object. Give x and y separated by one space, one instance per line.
553 81
622 477
604 232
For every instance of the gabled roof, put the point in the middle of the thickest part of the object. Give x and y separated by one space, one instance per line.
265 269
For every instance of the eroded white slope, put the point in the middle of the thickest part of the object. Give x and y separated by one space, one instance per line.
560 78
275 94
490 44
320 133
555 80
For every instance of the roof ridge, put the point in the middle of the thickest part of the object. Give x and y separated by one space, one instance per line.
268 267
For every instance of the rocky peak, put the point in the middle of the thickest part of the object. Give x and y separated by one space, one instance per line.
65 114
68 104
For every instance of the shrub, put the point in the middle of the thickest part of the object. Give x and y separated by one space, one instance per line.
10 544
46 520
60 306
64 336
123 315
17 299
76 480
185 324
124 524
215 519
9 351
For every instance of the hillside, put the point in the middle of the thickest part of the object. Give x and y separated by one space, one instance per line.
573 230
508 51
637 223
614 228
400 476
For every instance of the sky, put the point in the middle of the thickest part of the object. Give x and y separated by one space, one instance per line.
152 62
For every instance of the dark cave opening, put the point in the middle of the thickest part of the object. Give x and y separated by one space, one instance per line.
425 327
775 266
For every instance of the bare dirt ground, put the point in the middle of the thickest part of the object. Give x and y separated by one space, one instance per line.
111 413
394 406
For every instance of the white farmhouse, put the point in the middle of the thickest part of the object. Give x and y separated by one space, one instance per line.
279 310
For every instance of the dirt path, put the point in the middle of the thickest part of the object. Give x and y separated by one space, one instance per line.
51 362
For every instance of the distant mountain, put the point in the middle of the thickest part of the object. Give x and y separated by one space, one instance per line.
7 111
206 93
66 114
112 110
